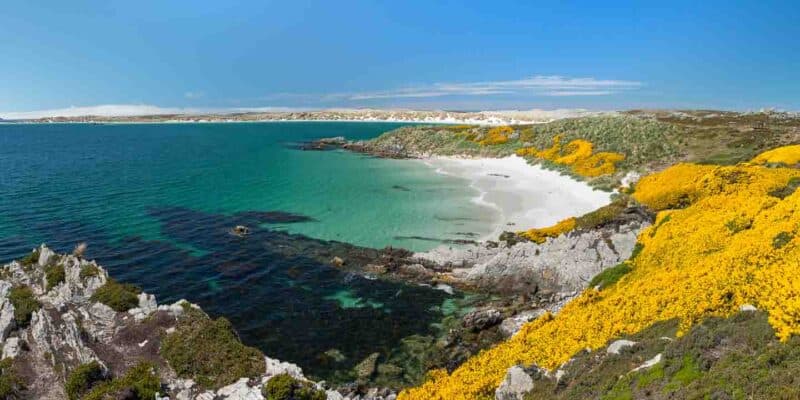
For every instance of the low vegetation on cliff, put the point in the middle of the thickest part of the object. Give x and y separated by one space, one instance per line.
721 240
209 351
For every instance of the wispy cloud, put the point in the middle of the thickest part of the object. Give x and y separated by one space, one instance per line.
536 85
195 94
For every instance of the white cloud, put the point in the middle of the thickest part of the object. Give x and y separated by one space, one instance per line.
536 85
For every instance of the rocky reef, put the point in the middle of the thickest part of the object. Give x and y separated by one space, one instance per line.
69 330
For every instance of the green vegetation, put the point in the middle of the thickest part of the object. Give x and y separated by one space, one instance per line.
140 382
650 140
209 351
602 215
82 378
89 270
721 358
30 259
54 274
285 387
11 384
781 239
25 304
610 276
787 190
119 296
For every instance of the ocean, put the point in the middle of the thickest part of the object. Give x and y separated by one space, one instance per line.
155 203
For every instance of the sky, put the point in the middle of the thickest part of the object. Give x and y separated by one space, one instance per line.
150 56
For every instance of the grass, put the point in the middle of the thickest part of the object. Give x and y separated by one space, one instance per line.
55 274
610 276
25 304
737 357
285 387
602 215
208 351
121 297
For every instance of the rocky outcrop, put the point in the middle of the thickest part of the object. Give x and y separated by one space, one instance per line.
561 264
70 329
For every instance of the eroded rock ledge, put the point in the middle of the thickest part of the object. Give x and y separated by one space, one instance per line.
56 318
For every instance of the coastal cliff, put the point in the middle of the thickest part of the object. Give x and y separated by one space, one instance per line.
68 330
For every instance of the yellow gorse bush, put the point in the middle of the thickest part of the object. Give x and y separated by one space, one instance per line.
539 235
578 155
731 243
497 135
789 155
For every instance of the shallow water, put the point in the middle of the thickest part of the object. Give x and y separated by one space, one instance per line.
155 203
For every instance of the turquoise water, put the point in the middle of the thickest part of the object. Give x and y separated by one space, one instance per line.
155 203
111 174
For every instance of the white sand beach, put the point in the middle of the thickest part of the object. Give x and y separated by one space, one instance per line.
526 196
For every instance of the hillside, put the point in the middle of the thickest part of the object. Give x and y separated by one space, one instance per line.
725 239
602 149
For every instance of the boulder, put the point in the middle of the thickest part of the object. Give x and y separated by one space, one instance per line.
515 386
366 367
482 319
618 345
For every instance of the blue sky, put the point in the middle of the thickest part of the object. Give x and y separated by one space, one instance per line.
413 54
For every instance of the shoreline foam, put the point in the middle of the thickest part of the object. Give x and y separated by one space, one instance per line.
526 196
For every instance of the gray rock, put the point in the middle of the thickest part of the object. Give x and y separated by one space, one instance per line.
511 325
6 311
616 346
45 255
11 348
565 263
277 367
515 385
482 319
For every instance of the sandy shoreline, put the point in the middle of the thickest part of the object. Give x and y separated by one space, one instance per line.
526 196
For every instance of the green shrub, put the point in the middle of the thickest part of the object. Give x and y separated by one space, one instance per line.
209 351
637 249
25 304
140 382
285 387
610 276
82 379
89 270
11 385
120 297
55 274
781 239
30 259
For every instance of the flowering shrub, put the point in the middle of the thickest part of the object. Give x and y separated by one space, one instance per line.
539 235
789 155
578 155
497 135
691 266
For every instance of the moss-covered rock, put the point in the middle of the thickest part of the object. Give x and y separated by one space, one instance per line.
208 351
25 304
119 296
286 387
